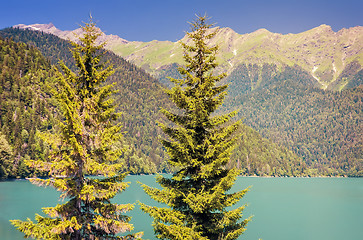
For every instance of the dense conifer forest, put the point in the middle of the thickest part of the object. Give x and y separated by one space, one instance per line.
25 106
323 127
139 98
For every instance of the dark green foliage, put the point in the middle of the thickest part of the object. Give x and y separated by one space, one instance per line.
356 81
25 106
284 105
139 98
261 157
134 164
200 147
253 154
262 93
246 78
49 45
86 143
6 158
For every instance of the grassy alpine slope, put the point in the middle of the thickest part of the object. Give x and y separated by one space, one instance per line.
321 52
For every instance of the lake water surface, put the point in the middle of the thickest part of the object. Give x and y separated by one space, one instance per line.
283 208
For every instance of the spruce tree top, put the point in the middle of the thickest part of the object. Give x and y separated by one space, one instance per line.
198 95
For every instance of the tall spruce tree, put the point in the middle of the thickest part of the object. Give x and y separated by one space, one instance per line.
83 146
200 146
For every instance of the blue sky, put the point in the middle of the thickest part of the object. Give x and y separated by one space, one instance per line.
146 20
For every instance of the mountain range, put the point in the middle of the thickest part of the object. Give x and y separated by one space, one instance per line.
309 116
324 54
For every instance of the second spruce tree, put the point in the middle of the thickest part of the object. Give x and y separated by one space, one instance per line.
200 146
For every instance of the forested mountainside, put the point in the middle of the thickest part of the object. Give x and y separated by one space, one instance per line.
287 106
323 127
139 98
275 82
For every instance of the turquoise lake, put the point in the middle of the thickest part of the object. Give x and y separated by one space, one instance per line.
282 208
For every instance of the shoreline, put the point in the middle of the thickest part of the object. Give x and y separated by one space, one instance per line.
252 176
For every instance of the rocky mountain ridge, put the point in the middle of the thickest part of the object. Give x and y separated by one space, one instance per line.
321 52
72 35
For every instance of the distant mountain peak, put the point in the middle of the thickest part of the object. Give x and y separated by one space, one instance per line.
227 30
36 27
261 31
111 40
324 26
